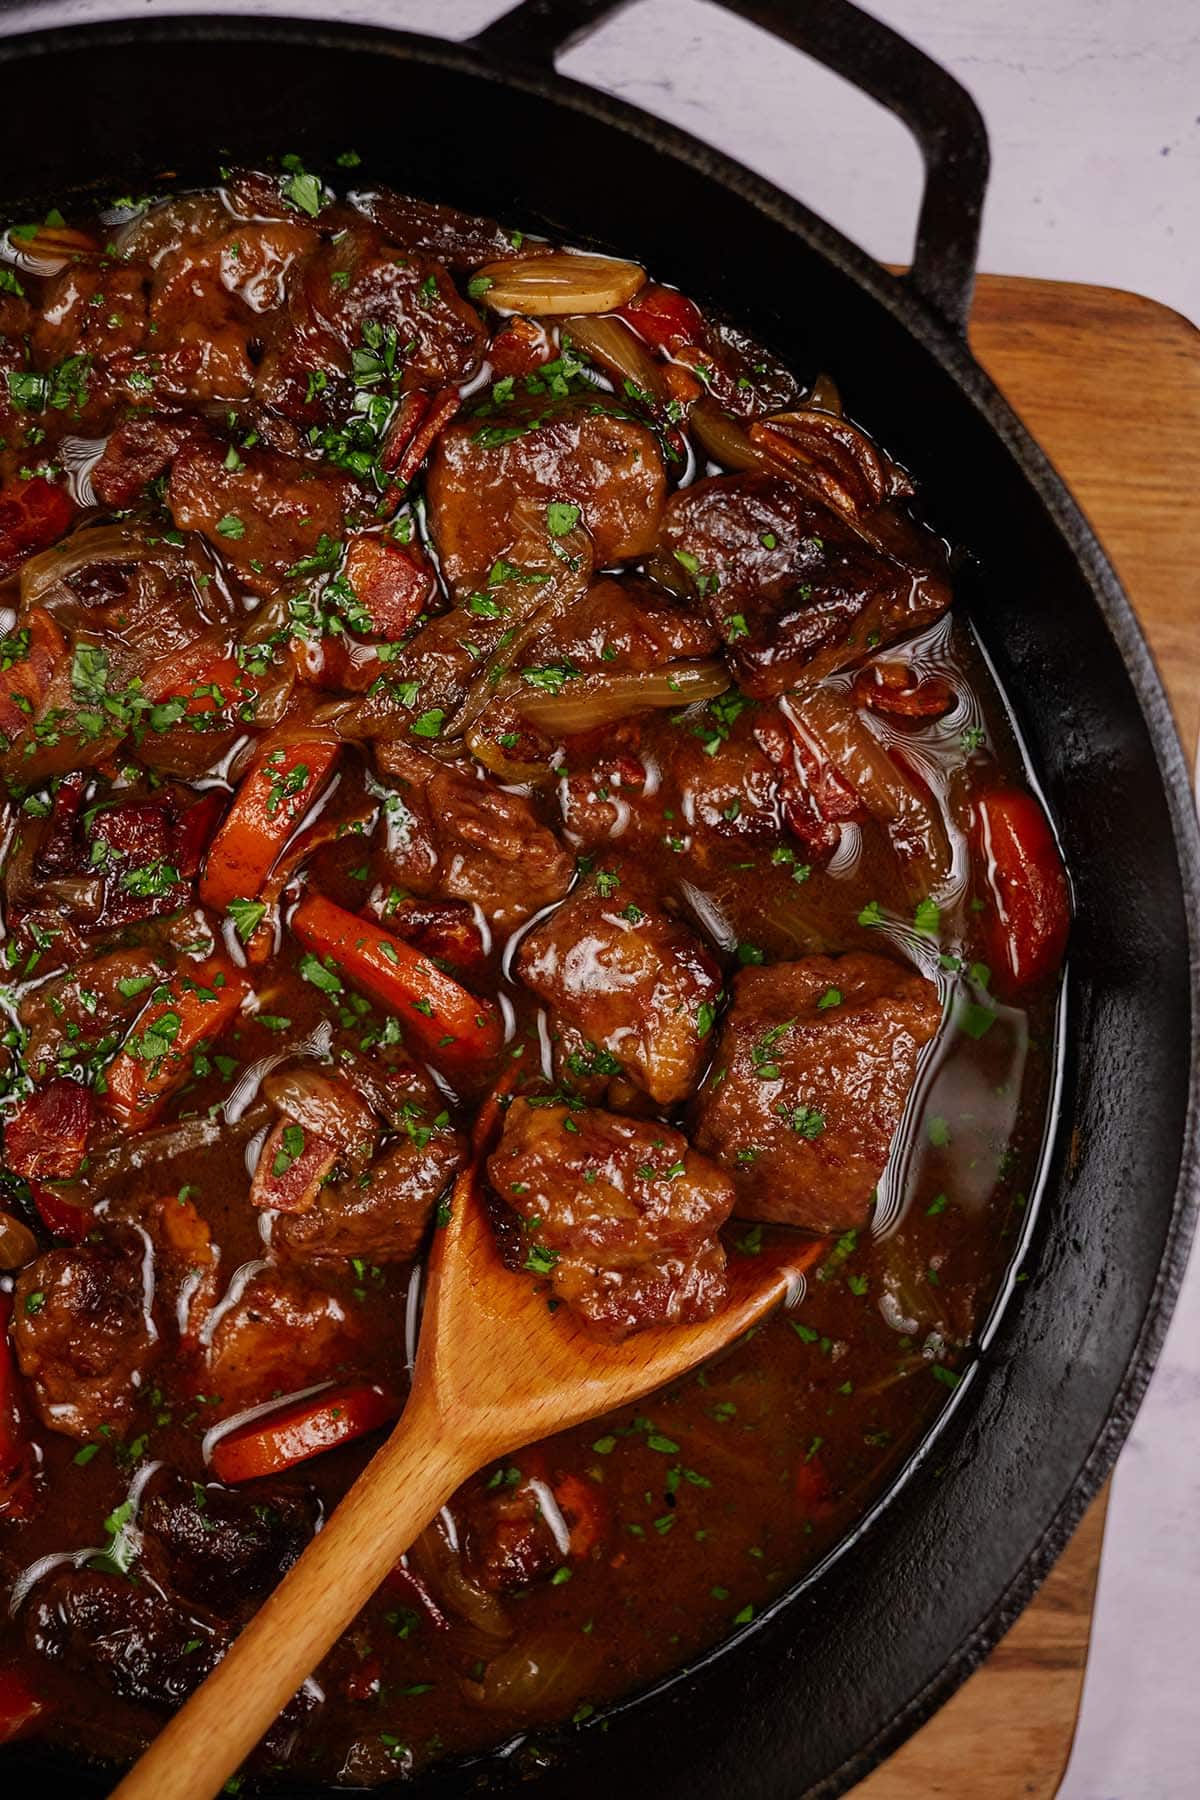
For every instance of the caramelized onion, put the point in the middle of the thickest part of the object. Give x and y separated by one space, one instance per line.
561 282
94 544
620 352
722 437
841 734
543 1674
590 700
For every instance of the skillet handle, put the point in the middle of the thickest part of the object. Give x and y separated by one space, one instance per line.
939 112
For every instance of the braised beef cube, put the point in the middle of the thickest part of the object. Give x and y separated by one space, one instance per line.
814 1066
541 451
506 1540
92 311
786 581
619 1213
281 1334
84 1337
89 1004
605 1187
666 1290
220 1548
458 240
467 838
620 974
266 516
137 453
626 624
398 315
381 1214
130 1638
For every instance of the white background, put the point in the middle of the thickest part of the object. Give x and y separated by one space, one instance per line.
1093 107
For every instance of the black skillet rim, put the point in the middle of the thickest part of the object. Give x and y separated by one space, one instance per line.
950 351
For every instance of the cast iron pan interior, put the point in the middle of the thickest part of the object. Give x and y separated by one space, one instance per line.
813 1694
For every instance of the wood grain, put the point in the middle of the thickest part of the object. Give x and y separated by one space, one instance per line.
1109 384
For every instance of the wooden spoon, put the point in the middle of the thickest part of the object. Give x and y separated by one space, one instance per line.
495 1370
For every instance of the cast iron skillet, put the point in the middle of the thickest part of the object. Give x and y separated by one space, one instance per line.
811 1696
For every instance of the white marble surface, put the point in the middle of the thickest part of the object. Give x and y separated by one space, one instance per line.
1094 112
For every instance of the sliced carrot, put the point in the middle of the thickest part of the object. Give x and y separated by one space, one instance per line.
291 1166
278 790
26 677
452 1028
664 317
1030 916
520 347
583 1510
293 1433
207 682
194 1007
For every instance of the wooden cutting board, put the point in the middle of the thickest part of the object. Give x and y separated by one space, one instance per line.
1109 384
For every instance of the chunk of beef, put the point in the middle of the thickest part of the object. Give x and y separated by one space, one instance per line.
90 311
263 517
626 624
221 1548
567 450
466 838
280 1334
137 453
625 980
397 314
812 1072
381 1214
506 1540
458 240
787 582
134 1640
621 1213
667 1290
83 1336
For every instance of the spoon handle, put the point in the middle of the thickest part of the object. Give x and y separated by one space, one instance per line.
394 1498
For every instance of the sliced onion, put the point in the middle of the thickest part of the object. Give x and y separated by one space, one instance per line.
562 282
827 451
498 762
620 351
841 734
542 1674
94 544
591 700
49 249
722 437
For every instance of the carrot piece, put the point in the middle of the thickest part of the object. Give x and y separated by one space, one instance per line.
665 318
583 1510
20 1707
452 1028
47 1135
1030 917
277 791
195 1006
520 347
291 1166
24 681
293 1433
207 682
